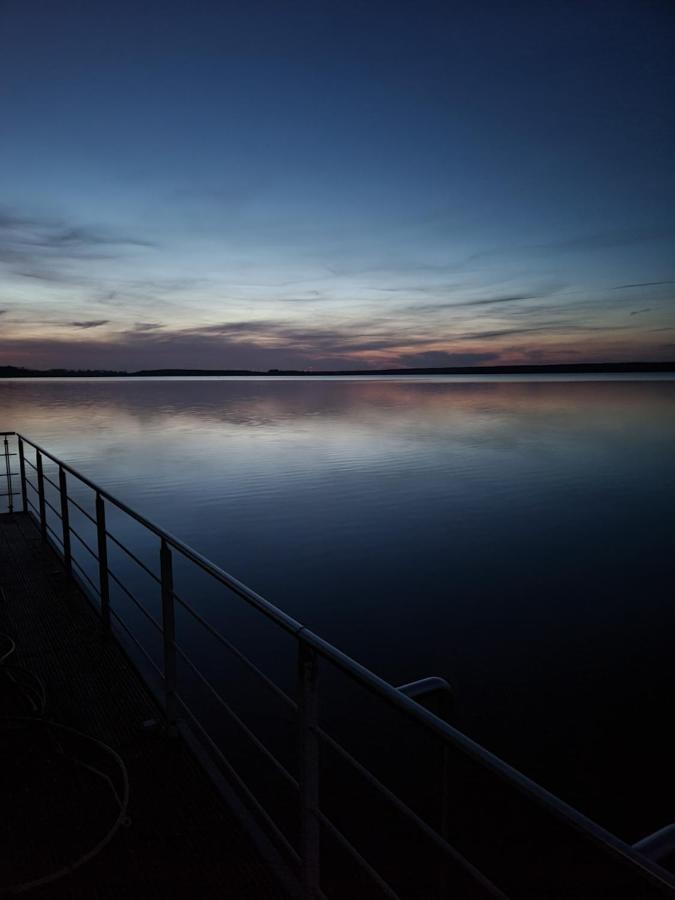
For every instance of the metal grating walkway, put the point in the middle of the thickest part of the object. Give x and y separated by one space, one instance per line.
181 841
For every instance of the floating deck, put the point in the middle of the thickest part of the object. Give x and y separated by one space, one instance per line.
180 840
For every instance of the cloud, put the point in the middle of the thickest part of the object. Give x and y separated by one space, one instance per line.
544 328
638 312
50 233
147 326
213 352
249 328
37 246
509 298
539 293
315 298
420 288
601 240
149 352
90 323
638 284
441 358
29 268
618 237
371 340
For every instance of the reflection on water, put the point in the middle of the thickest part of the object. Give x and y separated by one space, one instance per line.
514 537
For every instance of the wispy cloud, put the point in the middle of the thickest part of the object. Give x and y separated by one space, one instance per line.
588 242
509 298
616 237
440 358
89 323
33 246
638 312
639 284
50 233
543 328
538 292
147 326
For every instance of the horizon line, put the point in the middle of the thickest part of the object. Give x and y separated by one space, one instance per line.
499 369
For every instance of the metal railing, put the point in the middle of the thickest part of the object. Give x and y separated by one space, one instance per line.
305 855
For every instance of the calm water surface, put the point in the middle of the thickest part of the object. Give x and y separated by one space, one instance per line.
515 537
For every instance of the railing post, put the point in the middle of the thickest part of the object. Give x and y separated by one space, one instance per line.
65 522
8 467
104 586
169 633
308 769
445 817
22 471
41 495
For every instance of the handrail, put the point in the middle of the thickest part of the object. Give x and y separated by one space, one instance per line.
310 648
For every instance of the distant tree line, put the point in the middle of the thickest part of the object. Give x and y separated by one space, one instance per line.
560 368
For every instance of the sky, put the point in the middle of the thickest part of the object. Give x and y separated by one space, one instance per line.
336 185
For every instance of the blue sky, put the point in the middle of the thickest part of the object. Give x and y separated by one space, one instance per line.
336 185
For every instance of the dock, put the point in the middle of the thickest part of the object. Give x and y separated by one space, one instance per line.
117 783
178 838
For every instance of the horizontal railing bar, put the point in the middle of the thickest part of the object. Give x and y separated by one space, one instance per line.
264 606
11 453
84 574
57 512
145 612
386 888
244 727
82 510
235 650
53 483
55 535
30 484
140 646
9 493
84 543
133 556
250 796
32 465
412 816
6 473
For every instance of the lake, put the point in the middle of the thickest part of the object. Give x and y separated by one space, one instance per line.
514 536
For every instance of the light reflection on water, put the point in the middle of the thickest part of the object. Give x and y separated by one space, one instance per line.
514 537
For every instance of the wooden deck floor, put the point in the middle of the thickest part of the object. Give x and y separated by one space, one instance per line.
180 841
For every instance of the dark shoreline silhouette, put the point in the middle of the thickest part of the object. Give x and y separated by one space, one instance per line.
553 369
